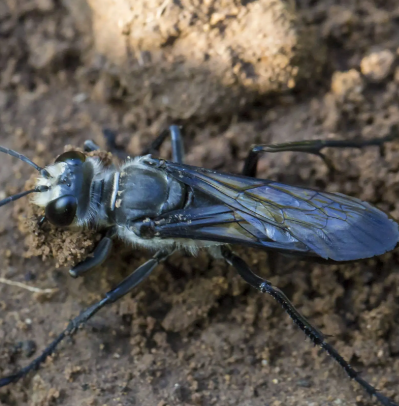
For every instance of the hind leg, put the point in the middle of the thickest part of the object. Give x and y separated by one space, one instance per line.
315 335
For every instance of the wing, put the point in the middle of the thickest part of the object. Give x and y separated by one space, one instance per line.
270 214
223 224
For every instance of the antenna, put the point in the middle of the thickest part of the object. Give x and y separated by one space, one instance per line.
9 199
23 158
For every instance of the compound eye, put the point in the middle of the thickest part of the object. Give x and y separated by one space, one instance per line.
61 211
72 157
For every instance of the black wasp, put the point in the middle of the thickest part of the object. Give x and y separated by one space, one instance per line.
166 205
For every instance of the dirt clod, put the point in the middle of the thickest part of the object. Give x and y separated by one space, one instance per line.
378 65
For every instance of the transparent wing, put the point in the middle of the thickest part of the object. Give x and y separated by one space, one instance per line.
262 212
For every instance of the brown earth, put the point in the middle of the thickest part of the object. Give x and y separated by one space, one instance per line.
194 333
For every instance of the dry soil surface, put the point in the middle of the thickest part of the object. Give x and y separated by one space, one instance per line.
194 333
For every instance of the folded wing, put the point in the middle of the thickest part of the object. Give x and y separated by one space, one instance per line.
330 225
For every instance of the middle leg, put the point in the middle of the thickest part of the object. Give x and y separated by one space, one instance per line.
312 147
173 131
177 143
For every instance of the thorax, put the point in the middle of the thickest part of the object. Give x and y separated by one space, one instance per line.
137 191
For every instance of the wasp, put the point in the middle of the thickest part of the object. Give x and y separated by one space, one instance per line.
166 206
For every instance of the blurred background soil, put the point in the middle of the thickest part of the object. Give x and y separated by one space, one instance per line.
233 73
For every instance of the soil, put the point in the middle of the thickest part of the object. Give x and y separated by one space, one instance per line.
194 333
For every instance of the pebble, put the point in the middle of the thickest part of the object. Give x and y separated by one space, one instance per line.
377 65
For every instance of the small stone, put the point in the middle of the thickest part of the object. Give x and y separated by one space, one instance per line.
4 10
377 65
304 383
45 52
4 99
80 98
45 5
103 90
346 83
27 347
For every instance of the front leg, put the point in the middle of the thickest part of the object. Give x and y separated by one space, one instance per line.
90 146
112 296
111 145
99 255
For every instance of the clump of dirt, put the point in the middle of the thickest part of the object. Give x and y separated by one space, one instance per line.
251 48
193 333
67 246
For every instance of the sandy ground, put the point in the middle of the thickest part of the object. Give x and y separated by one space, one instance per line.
194 333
